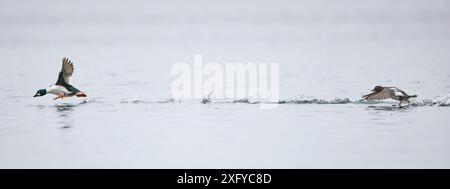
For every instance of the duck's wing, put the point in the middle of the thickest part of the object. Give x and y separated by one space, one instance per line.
383 94
65 73
74 91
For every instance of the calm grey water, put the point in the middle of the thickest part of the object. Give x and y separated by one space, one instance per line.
123 53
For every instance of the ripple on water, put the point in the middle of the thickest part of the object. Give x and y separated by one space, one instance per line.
388 108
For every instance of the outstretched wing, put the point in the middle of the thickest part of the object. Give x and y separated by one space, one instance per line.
66 72
384 94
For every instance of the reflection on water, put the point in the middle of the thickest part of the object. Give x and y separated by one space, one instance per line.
388 108
387 115
64 113
64 107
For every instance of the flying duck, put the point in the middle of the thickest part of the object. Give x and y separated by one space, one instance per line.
380 93
62 88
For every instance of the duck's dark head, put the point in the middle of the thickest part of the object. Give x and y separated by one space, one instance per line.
40 92
377 89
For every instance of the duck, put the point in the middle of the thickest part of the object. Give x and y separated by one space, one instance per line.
62 88
381 93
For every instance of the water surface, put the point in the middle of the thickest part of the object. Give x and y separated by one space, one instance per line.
330 53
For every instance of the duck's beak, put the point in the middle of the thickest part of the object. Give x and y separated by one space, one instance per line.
35 95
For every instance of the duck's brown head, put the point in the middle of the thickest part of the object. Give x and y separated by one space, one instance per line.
377 89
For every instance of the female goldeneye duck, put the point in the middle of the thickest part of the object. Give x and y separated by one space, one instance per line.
62 88
380 93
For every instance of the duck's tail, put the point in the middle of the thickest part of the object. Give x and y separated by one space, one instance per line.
80 94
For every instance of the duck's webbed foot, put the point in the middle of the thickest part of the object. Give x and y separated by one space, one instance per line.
59 96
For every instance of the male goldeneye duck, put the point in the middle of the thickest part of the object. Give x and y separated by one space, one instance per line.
380 93
62 88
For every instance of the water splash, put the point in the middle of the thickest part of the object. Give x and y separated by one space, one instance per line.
206 100
139 101
134 101
438 101
244 100
442 100
316 101
169 100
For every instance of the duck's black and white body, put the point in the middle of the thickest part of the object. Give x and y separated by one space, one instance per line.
381 93
62 88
